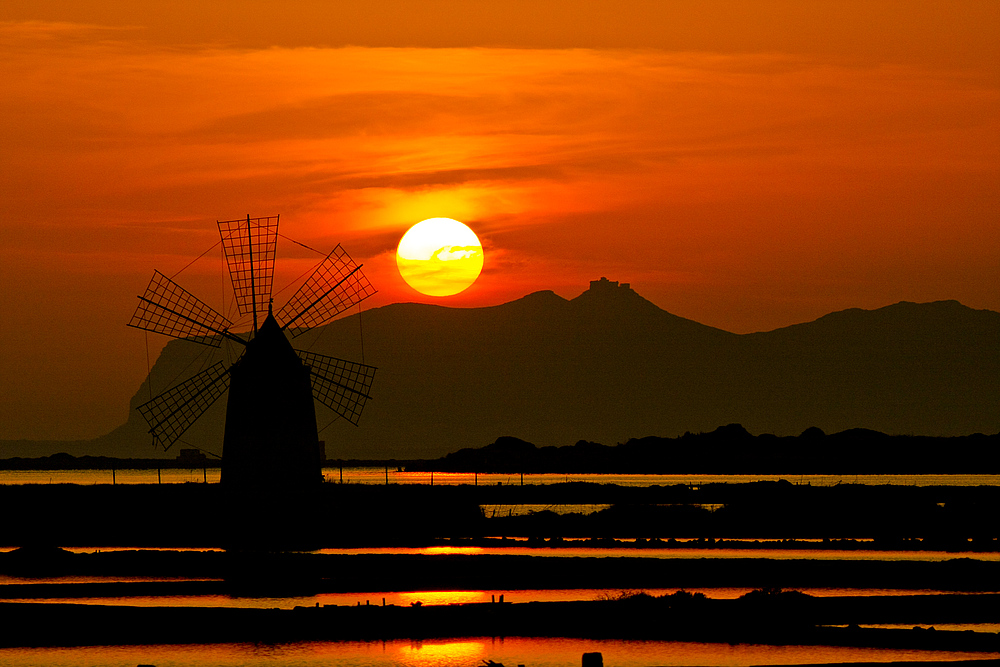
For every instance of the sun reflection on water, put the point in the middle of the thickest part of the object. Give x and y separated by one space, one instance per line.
536 652
444 653
450 550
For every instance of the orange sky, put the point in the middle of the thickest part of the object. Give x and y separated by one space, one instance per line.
748 165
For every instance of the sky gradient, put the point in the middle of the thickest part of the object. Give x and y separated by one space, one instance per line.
748 165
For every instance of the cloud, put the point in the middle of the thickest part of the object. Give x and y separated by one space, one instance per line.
511 139
457 252
955 34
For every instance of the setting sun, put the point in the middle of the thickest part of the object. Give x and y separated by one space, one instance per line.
439 257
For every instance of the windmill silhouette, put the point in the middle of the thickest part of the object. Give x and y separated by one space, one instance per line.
270 441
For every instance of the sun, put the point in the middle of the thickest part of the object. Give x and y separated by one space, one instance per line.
439 257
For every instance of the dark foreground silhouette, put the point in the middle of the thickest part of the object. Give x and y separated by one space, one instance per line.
335 515
765 616
258 534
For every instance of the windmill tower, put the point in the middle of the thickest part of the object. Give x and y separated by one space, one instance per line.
271 441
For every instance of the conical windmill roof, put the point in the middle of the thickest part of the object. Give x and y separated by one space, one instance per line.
270 347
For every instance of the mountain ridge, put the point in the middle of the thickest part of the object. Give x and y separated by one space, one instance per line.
608 366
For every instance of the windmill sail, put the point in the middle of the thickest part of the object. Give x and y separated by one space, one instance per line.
335 285
250 244
340 385
271 440
169 309
172 412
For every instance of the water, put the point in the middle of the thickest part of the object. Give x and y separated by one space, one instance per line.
381 475
465 652
626 552
125 476
622 552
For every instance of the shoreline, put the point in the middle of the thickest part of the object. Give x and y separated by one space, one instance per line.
781 619
547 546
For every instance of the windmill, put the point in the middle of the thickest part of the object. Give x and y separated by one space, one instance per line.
271 440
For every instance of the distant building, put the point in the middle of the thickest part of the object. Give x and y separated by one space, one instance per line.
605 284
192 457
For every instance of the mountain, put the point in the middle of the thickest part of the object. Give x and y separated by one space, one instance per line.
731 449
609 366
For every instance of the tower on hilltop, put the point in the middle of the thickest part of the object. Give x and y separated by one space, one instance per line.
608 285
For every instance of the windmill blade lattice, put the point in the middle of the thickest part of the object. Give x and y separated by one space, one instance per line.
335 285
172 412
169 309
338 384
250 244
